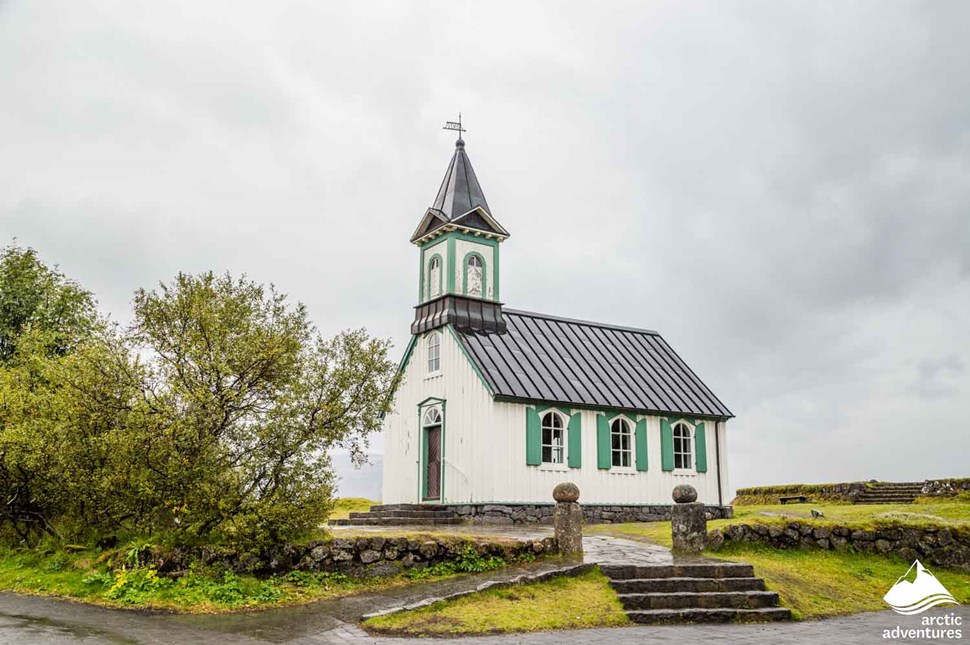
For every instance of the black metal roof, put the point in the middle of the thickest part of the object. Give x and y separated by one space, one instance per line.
558 360
458 198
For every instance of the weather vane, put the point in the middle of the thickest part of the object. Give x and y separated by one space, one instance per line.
451 125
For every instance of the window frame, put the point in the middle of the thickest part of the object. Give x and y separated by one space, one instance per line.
441 272
621 451
689 453
556 416
433 346
466 263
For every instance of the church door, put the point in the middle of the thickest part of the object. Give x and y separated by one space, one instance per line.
432 468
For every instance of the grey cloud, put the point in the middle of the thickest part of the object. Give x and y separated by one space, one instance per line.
780 188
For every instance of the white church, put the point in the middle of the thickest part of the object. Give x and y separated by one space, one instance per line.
499 405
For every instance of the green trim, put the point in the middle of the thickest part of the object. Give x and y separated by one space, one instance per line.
666 445
431 399
640 437
632 418
423 474
481 377
700 442
533 438
495 273
421 278
451 265
545 408
600 408
464 273
468 237
604 458
575 441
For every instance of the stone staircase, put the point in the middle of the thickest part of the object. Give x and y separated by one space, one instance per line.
401 515
698 592
890 493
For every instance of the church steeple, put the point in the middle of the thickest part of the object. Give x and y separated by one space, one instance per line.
459 242
460 201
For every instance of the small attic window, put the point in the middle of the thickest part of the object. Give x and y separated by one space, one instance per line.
434 353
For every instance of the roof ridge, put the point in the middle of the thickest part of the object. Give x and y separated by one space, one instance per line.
576 321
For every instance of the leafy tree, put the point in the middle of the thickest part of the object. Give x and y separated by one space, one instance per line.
35 296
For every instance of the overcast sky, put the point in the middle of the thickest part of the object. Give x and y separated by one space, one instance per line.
781 189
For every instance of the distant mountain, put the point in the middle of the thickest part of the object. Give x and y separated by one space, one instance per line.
363 482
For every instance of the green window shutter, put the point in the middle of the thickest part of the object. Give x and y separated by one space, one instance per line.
575 440
603 459
641 439
700 440
666 445
533 438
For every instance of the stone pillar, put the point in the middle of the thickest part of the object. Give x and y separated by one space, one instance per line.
688 522
568 518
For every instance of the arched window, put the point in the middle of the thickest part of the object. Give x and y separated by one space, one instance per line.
474 276
683 455
620 438
432 417
434 277
552 438
434 352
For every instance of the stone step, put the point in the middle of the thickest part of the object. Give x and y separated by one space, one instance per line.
704 600
696 585
686 570
699 615
412 514
407 507
398 521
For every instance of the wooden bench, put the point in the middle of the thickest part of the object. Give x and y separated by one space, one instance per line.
797 499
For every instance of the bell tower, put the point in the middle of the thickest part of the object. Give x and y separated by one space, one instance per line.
458 241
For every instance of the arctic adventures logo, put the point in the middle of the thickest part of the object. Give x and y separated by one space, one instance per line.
909 597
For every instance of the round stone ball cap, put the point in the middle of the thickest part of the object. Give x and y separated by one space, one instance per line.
684 494
566 492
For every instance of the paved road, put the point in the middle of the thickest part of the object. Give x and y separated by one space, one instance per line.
27 620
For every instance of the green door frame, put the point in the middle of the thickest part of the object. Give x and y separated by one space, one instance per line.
423 473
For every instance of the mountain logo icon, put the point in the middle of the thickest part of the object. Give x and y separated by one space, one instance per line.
910 597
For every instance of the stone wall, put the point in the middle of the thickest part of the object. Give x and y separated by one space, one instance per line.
592 513
357 556
941 546
943 487
844 491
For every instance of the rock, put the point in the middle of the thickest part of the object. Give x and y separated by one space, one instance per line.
684 494
883 545
370 555
568 522
382 569
822 544
428 549
688 527
566 492
863 535
319 553
838 542
817 513
822 532
342 555
775 531
715 539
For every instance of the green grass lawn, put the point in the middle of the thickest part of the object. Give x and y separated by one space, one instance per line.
560 603
344 506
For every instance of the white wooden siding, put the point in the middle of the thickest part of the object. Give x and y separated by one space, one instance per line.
484 447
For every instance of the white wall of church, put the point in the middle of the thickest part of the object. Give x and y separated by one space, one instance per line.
485 447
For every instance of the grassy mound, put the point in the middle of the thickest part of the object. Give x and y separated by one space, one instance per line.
560 603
